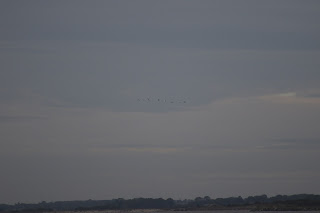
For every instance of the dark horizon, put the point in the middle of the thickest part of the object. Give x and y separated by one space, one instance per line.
283 196
90 204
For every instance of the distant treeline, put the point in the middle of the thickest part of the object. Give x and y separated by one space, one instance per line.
261 201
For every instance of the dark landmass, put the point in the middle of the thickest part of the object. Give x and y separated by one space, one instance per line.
297 202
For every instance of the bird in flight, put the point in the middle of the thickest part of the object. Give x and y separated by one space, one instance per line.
159 100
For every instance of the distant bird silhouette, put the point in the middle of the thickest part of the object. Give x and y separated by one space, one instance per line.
161 100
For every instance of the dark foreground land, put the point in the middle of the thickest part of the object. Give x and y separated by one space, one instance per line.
300 202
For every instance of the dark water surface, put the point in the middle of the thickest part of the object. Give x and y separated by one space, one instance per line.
242 211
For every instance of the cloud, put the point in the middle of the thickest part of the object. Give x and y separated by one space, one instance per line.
292 98
20 118
158 150
239 25
259 175
113 74
288 94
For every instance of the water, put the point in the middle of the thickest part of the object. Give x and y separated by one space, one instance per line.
204 211
240 211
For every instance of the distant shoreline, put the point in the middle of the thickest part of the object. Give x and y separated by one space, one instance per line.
299 202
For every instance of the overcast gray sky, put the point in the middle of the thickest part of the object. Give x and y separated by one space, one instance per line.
241 81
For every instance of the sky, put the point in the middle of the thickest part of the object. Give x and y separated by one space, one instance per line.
145 98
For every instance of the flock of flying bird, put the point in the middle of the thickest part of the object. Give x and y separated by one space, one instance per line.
160 100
